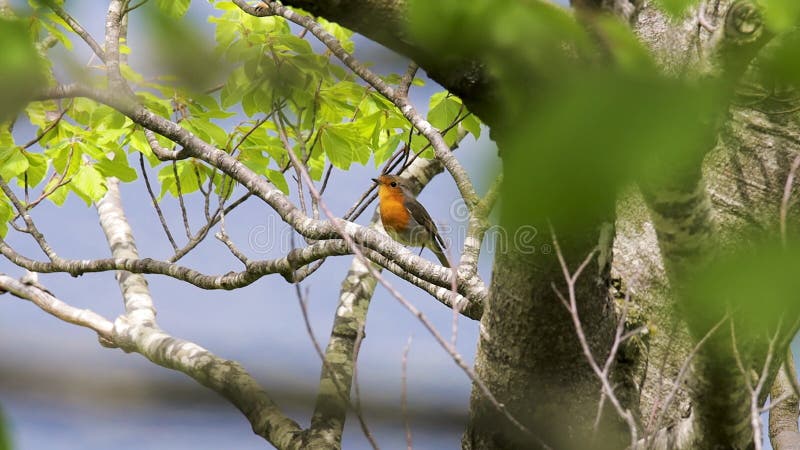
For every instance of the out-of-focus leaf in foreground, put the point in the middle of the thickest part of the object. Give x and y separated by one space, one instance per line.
595 131
182 51
5 442
20 68
581 116
758 285
676 7
779 62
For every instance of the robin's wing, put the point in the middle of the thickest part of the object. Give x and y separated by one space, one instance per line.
423 218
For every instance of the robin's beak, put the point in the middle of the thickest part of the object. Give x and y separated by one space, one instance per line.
375 180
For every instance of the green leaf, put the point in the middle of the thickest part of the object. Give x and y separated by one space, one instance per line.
138 142
278 179
66 152
676 8
339 32
117 166
187 176
473 125
443 110
6 213
37 167
174 8
53 30
21 68
755 284
12 163
781 15
6 138
622 140
158 105
88 183
624 46
254 159
180 49
207 131
387 148
58 196
343 144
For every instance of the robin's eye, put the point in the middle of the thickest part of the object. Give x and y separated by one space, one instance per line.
393 184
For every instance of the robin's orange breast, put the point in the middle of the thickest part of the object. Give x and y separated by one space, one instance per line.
393 211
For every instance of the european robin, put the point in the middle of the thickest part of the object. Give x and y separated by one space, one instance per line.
405 219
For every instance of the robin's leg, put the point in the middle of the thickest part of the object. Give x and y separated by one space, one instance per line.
421 249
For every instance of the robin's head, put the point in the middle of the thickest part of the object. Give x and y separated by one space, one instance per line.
390 184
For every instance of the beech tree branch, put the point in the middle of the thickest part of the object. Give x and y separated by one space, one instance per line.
52 305
472 286
137 331
783 430
78 29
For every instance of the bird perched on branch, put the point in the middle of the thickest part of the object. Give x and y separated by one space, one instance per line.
405 219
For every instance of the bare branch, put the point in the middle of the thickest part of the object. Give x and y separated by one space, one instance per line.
154 200
30 226
137 331
571 303
181 203
78 29
112 55
308 227
783 430
162 153
50 304
341 391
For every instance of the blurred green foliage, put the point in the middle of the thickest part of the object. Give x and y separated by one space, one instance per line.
757 284
5 439
21 68
591 110
179 49
591 133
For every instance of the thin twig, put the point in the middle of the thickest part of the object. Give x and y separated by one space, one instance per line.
49 127
184 213
30 226
135 6
302 300
155 204
203 231
225 239
407 79
571 303
682 372
78 29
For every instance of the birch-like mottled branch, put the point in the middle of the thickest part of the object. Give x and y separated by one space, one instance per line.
308 227
52 305
137 331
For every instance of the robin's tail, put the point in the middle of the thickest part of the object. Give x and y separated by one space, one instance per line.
437 250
